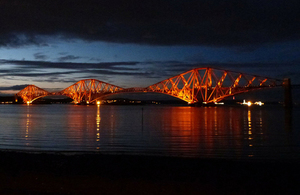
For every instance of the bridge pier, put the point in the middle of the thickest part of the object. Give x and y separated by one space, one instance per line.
288 102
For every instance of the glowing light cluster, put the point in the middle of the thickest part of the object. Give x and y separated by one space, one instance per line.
259 103
249 103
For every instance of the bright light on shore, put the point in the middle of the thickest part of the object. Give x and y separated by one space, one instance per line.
259 103
249 103
219 103
98 102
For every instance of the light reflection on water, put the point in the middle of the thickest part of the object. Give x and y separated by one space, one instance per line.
214 132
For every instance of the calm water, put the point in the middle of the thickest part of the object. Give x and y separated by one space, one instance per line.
236 132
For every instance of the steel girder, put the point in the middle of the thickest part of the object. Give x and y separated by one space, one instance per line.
88 90
31 93
210 85
206 85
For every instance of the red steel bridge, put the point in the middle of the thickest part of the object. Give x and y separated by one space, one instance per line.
206 85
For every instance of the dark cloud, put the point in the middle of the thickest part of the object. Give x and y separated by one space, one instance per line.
71 65
36 69
40 56
14 87
95 59
18 39
95 72
43 74
155 22
42 71
62 53
279 71
106 72
68 58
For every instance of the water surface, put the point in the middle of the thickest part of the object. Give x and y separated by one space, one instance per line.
231 132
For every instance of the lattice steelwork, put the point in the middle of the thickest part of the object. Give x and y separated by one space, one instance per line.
31 93
210 85
206 85
89 90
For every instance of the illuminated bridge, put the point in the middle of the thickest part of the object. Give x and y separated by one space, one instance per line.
207 85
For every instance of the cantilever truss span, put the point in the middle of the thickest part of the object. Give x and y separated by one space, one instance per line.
31 93
210 85
205 85
89 90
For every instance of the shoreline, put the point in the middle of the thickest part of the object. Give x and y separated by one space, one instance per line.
61 173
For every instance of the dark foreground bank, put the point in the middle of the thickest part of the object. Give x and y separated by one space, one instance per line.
32 173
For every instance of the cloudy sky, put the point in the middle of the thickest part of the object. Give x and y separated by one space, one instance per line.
134 43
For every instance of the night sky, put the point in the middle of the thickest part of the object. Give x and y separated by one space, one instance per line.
134 43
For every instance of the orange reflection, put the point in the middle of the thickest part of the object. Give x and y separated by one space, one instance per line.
98 119
177 125
208 128
27 123
215 121
249 122
260 122
183 120
181 129
250 132
81 123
